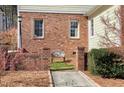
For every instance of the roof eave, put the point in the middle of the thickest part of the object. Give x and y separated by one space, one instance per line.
93 10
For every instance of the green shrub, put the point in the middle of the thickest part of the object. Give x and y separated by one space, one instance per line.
118 71
91 63
105 63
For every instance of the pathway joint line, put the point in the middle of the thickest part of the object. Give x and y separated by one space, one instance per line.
89 79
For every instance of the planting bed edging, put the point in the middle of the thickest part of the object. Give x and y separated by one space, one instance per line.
89 79
50 78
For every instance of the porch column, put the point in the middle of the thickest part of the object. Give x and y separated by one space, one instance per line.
89 33
19 32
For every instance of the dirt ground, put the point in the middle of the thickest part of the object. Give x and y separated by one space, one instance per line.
25 79
104 82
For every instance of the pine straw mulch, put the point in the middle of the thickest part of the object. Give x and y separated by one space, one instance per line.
25 79
105 82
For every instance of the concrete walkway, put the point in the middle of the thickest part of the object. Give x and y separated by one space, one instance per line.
71 79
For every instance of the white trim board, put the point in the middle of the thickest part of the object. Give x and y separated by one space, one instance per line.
72 9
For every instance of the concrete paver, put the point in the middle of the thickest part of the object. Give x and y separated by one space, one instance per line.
70 79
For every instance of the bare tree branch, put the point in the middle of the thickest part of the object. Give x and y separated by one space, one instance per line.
112 30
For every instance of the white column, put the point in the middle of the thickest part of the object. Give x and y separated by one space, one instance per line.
89 33
18 31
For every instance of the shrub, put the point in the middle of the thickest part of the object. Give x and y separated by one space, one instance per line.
118 71
3 56
29 62
91 63
105 63
8 39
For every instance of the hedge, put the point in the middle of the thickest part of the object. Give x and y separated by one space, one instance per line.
29 62
23 61
106 64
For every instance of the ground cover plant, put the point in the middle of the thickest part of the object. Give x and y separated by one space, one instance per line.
60 65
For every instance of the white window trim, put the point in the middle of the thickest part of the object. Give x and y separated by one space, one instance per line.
40 37
90 29
78 36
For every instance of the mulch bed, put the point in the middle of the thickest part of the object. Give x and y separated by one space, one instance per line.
25 79
105 82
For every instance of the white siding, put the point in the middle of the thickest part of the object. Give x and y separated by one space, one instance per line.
99 27
77 9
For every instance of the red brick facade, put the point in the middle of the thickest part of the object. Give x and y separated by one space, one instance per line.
56 32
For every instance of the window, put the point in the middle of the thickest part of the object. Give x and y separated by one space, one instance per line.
92 27
74 29
38 28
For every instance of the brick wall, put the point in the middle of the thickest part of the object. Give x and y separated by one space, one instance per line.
56 36
80 65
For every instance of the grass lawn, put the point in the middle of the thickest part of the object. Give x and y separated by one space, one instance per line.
25 79
61 66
